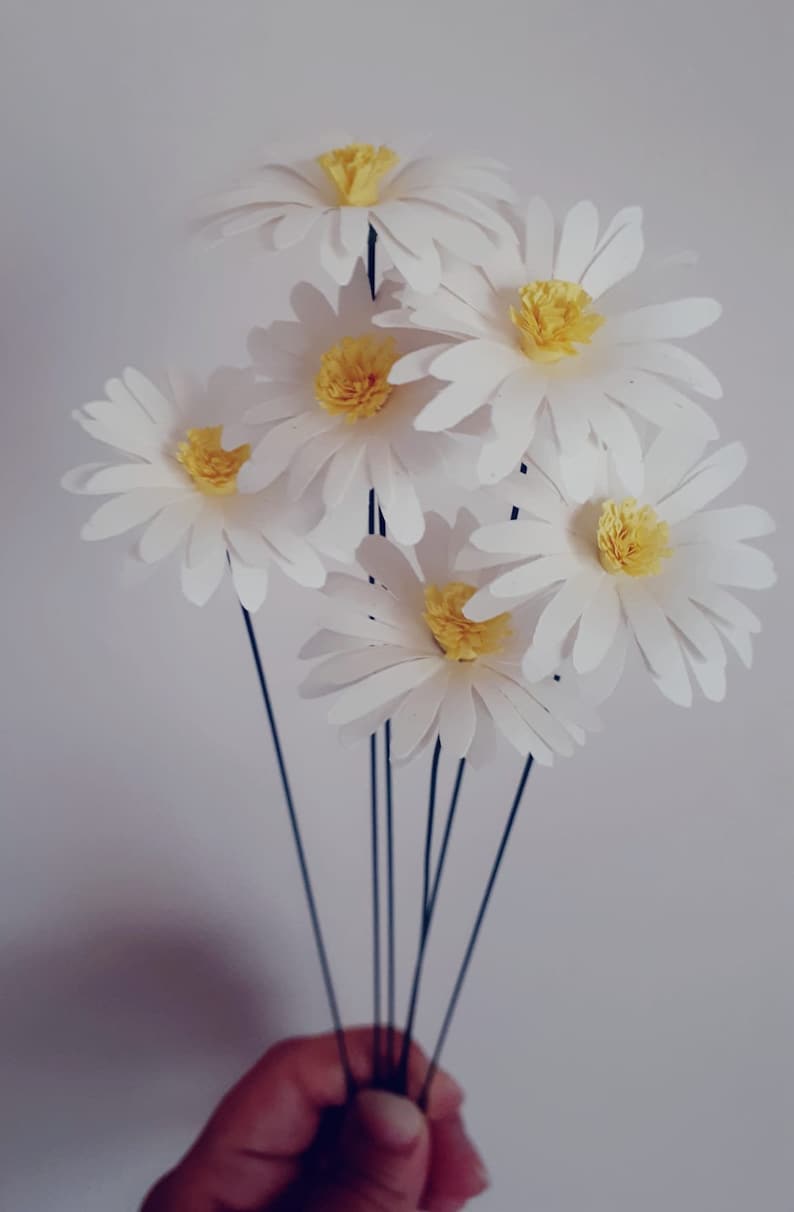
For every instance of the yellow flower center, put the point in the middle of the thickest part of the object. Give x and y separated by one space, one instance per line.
631 539
553 318
211 468
354 376
459 637
356 171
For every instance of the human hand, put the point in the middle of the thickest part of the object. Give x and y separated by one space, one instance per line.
284 1140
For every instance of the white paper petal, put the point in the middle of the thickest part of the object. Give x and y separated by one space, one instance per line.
161 410
416 714
618 258
380 687
663 321
205 538
250 583
383 561
416 365
662 359
457 717
199 584
708 480
650 626
598 627
168 528
577 242
522 582
125 512
347 668
725 525
558 617
509 721
539 240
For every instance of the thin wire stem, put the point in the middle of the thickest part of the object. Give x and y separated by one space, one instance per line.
372 239
391 980
301 853
464 968
427 924
375 867
431 816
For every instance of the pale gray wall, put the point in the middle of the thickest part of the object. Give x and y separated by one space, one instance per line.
627 1037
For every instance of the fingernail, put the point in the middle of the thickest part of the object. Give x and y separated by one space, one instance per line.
390 1121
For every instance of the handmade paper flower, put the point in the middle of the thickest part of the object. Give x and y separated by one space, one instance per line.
403 649
658 568
333 416
185 448
341 187
540 331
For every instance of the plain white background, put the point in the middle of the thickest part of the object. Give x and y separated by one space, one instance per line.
626 1038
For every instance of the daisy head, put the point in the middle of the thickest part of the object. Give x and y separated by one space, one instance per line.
400 647
541 332
334 418
184 448
339 187
609 567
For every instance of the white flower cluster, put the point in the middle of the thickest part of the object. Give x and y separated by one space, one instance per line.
505 358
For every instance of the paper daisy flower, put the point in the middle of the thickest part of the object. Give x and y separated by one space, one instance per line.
184 448
659 568
334 417
340 187
539 331
401 648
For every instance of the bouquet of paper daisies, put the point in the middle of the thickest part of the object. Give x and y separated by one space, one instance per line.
520 372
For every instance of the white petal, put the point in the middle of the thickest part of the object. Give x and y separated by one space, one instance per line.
522 582
674 683
616 260
577 242
696 627
521 538
539 718
77 479
334 257
125 477
168 528
199 584
597 628
570 419
710 677
416 714
661 359
205 538
671 454
346 471
613 426
559 616
372 601
457 718
725 525
311 458
274 453
387 564
663 321
483 749
325 641
354 228
514 417
726 607
400 503
379 688
421 268
416 365
658 401
161 410
124 512
477 359
347 668
509 721
650 626
295 225
250 583
740 641
539 240
708 480
738 566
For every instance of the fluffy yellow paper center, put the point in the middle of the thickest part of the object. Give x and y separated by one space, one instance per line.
459 638
353 379
356 171
211 468
631 539
553 319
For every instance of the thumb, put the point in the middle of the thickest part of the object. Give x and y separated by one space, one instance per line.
382 1159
